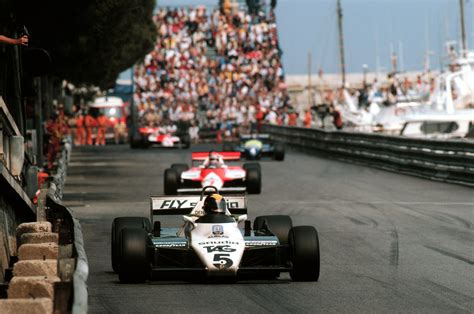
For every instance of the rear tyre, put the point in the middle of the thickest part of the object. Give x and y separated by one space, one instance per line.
135 140
134 266
118 225
228 147
254 181
180 168
185 141
279 225
145 142
171 182
304 253
279 152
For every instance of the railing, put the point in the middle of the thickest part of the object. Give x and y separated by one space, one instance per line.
11 142
54 204
441 160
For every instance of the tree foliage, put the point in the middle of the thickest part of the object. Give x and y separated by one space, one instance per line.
90 41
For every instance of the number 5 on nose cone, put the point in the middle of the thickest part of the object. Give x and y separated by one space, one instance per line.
222 261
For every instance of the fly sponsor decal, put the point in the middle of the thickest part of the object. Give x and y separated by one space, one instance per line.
177 204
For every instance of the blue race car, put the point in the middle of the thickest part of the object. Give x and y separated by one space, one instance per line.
256 146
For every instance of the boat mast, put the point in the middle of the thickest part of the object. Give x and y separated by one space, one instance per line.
341 42
463 29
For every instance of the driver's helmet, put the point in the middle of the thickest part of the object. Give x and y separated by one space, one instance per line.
214 203
213 159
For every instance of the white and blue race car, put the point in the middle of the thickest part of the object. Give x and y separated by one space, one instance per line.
212 245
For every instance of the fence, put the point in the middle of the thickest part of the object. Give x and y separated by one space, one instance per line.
441 160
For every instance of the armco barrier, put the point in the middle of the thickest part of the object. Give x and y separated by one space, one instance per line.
53 202
440 160
81 272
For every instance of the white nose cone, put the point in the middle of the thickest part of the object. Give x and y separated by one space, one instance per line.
219 246
214 180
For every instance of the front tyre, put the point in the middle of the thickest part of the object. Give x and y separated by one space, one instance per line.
118 225
180 168
134 266
250 165
171 181
304 253
254 181
278 225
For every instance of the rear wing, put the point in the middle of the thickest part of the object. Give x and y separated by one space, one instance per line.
185 205
255 136
225 155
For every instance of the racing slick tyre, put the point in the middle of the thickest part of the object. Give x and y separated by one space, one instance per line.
171 181
180 168
254 181
118 225
135 140
279 152
228 147
185 141
132 255
250 165
279 225
145 143
304 253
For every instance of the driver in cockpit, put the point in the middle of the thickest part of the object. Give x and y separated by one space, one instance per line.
215 210
214 160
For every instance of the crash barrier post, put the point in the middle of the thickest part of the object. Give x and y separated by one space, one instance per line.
440 160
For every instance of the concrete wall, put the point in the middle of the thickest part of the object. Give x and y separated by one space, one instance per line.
8 223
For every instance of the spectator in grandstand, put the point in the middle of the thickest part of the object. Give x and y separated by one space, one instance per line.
215 69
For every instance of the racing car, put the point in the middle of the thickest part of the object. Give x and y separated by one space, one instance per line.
215 242
256 146
213 171
149 136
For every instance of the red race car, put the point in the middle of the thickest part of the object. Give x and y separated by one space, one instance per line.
213 171
163 137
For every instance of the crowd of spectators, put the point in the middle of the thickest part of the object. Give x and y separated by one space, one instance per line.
215 70
221 69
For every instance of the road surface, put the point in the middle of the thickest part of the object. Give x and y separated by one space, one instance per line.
389 242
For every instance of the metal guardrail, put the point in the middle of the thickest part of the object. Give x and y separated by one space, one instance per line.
55 194
440 160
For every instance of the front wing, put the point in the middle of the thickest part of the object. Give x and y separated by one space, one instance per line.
262 255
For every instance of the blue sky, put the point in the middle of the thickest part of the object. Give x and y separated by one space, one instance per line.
371 27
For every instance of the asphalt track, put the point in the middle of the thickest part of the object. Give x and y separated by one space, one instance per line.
389 242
